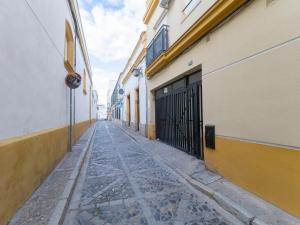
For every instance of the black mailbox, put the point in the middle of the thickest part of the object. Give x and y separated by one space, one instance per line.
210 136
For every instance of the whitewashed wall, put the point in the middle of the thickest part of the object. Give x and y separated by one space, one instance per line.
82 101
33 93
143 93
130 87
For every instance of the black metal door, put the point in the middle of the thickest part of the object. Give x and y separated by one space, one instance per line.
178 117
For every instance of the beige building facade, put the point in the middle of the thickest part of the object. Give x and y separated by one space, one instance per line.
244 57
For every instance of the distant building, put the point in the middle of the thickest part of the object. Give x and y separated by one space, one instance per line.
116 101
110 90
40 42
102 113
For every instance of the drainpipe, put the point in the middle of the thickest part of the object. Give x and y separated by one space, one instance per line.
70 129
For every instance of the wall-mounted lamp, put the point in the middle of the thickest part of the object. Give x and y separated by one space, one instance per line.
121 91
137 72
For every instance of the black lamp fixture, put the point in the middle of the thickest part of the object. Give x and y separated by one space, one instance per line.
137 72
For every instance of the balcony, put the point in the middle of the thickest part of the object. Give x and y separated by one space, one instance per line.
158 45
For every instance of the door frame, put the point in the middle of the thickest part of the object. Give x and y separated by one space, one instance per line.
128 109
137 109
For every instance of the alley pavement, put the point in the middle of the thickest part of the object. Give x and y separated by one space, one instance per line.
122 184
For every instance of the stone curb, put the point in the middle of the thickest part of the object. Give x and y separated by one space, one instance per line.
236 210
61 207
199 186
258 222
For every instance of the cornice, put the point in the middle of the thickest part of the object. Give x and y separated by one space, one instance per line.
136 63
150 10
74 8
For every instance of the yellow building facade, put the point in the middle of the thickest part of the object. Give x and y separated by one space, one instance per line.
246 56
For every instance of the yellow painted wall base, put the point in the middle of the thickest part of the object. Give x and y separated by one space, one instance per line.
273 173
151 132
26 161
80 128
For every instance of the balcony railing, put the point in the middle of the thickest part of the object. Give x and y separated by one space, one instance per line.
158 45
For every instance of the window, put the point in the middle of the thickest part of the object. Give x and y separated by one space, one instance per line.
84 82
69 48
190 5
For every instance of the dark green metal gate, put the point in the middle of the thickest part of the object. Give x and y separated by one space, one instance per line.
179 115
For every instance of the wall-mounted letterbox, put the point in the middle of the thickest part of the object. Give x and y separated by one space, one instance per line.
210 136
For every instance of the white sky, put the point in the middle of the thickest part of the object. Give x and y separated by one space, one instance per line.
111 28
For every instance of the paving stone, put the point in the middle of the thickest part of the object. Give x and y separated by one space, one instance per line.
124 185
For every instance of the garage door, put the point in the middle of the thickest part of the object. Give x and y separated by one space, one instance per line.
179 115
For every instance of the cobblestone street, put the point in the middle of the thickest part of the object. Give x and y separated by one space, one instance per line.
121 184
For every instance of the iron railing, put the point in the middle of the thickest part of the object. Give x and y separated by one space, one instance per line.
158 45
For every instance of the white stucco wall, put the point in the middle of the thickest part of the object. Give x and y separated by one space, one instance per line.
130 87
33 93
143 93
82 100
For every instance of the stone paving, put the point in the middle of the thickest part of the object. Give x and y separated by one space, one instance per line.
121 184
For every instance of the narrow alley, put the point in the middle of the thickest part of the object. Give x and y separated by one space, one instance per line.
122 184
150 112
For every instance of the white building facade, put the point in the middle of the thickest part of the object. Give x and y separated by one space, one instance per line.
40 44
134 84
116 101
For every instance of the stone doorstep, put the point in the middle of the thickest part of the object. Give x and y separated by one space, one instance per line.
63 200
